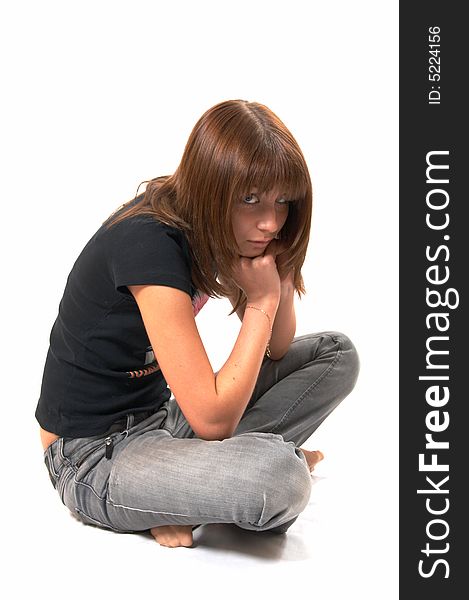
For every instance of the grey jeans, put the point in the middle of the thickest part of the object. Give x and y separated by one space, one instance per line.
159 473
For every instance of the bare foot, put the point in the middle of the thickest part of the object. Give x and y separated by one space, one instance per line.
312 457
173 536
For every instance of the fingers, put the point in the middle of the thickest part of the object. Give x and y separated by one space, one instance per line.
271 249
275 247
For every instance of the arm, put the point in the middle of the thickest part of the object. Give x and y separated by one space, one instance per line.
212 404
284 327
284 324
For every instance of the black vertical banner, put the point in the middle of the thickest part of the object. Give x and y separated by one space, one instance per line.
434 253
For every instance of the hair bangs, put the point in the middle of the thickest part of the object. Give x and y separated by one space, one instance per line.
275 167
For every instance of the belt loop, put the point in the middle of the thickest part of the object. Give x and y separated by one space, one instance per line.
60 448
130 421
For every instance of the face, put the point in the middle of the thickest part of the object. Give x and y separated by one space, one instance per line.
257 218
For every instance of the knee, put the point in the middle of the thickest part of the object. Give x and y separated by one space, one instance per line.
282 486
287 486
349 356
348 361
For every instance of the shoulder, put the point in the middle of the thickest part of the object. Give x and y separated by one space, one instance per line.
139 223
141 250
144 230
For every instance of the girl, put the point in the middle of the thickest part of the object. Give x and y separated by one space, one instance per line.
138 431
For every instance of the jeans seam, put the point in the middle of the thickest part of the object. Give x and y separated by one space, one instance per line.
90 487
300 399
100 523
50 463
62 481
159 512
264 506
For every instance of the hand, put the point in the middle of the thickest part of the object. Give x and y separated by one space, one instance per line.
277 249
258 277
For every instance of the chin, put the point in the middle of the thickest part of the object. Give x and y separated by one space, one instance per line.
251 253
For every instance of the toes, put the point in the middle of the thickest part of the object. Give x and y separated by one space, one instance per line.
312 457
173 536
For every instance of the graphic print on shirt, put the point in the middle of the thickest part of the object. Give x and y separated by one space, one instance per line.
151 366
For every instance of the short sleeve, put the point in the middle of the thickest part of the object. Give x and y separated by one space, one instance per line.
144 251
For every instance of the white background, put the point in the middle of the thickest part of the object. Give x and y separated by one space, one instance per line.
98 96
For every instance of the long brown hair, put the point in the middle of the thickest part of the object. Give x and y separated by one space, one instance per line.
233 147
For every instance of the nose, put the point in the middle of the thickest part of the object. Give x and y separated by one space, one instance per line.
269 221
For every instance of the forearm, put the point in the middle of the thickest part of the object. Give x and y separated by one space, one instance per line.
284 326
236 380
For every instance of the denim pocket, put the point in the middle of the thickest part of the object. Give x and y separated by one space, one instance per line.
92 466
65 476
53 476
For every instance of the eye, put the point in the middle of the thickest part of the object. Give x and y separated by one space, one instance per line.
285 202
250 199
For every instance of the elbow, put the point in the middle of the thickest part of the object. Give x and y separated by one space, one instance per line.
212 421
214 438
214 431
214 434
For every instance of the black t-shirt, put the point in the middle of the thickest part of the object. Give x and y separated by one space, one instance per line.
100 365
